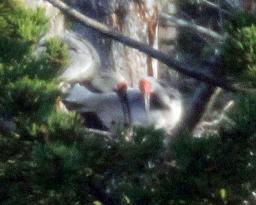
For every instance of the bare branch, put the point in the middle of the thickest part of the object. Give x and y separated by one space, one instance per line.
187 24
233 4
164 58
215 6
214 98
100 132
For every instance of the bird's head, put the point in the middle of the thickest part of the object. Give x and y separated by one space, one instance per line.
121 88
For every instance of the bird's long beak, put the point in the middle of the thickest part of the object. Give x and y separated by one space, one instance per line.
146 89
147 102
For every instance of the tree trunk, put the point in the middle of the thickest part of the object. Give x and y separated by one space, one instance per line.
136 19
139 20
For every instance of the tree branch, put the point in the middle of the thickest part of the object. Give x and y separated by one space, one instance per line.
201 98
187 24
215 6
106 134
164 58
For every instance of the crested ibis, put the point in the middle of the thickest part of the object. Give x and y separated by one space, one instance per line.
163 105
164 111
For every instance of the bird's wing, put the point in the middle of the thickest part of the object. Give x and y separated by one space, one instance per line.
84 59
79 94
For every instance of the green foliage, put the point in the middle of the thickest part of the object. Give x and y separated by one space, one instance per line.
57 52
220 169
244 115
63 170
51 159
30 102
65 127
16 168
20 30
240 20
26 99
239 49
27 96
75 165
28 91
209 170
239 52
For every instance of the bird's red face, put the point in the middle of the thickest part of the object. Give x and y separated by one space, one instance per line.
145 87
121 87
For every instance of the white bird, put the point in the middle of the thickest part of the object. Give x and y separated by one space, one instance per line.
84 67
164 111
164 106
107 106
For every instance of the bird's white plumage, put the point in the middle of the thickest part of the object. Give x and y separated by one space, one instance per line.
84 59
109 109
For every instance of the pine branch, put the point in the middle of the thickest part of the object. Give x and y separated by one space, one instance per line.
164 58
6 126
222 116
100 195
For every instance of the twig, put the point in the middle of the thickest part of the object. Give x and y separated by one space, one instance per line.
220 16
187 24
100 132
202 37
232 4
229 105
213 99
164 58
215 6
